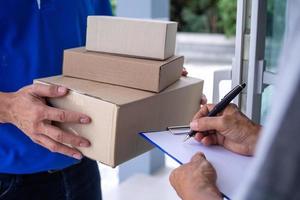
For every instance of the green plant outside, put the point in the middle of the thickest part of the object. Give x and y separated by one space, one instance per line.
113 6
207 16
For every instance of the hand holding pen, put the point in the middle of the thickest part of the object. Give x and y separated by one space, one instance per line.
220 106
230 129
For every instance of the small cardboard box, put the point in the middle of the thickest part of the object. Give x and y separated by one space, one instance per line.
134 37
150 75
119 114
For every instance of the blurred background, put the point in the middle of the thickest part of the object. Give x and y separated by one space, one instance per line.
206 37
204 16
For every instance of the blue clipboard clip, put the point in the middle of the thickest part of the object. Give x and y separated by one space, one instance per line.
179 130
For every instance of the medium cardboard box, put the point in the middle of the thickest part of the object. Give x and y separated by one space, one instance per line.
134 37
151 75
119 114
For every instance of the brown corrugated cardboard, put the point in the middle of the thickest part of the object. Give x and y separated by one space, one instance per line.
119 114
134 37
151 75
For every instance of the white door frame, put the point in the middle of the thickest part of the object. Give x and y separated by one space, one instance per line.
248 65
256 59
240 45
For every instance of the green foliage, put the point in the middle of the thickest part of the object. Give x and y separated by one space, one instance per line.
227 10
206 16
113 6
209 16
196 15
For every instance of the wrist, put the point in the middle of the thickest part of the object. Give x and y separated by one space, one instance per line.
5 107
254 138
210 192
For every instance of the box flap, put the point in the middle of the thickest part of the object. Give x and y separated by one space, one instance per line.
133 19
140 61
111 93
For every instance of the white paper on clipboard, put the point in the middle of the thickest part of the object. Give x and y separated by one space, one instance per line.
231 168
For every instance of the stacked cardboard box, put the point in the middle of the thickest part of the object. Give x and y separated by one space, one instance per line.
127 80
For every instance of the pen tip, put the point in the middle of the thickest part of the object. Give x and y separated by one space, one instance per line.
243 85
186 138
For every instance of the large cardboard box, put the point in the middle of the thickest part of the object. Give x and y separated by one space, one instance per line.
134 37
119 114
151 75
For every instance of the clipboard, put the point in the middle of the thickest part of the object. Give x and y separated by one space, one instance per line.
231 168
179 130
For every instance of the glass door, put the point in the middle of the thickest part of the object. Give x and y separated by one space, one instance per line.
259 37
276 10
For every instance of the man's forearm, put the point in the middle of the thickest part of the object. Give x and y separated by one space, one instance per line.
4 107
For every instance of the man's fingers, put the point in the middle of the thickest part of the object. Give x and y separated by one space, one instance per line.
64 137
203 100
206 140
209 140
204 110
199 137
201 113
207 124
42 90
58 115
184 72
198 157
54 146
210 106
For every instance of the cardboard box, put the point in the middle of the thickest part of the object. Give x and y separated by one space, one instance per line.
151 75
134 37
119 114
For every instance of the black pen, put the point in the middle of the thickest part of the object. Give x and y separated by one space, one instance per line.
220 106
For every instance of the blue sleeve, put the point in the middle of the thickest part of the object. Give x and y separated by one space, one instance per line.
105 7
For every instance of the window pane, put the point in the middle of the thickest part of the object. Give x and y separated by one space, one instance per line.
275 32
274 38
266 103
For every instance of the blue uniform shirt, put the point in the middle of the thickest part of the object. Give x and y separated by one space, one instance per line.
33 36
